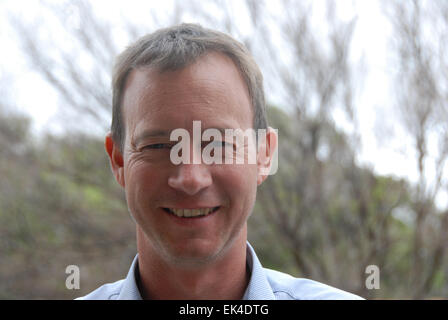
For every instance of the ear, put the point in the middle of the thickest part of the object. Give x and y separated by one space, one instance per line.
267 147
115 159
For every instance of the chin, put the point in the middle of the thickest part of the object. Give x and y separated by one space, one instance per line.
194 254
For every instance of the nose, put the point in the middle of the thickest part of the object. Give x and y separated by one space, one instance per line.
190 178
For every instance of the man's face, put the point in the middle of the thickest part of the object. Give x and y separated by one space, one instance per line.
211 91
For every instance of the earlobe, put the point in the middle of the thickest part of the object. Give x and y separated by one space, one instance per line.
115 159
266 151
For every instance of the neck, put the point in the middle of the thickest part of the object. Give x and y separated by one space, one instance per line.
225 277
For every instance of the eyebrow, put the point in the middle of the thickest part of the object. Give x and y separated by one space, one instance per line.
159 133
222 130
151 134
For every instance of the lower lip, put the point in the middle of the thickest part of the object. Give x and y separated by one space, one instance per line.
191 220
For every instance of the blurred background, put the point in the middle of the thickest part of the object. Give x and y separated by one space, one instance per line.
357 89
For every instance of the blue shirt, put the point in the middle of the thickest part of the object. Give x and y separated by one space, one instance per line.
264 284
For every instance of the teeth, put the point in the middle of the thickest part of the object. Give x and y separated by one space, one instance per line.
191 212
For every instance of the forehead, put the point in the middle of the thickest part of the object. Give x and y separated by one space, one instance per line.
212 87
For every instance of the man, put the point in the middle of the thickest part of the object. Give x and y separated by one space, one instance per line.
191 217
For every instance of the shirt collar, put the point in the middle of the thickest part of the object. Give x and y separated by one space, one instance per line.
130 291
257 289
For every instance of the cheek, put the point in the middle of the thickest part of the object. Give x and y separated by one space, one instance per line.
141 183
240 182
246 174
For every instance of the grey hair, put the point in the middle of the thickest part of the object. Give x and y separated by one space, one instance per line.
174 48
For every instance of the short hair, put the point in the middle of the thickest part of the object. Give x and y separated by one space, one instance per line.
174 48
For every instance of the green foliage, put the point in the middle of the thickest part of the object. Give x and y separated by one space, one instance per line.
59 205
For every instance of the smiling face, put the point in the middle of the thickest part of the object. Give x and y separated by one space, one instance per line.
211 91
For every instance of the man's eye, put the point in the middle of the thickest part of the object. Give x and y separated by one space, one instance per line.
221 144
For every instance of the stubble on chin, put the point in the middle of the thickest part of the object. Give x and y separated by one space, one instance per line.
190 258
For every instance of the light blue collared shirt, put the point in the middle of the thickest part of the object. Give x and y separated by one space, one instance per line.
264 284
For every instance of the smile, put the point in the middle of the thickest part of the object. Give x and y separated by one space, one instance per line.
191 213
